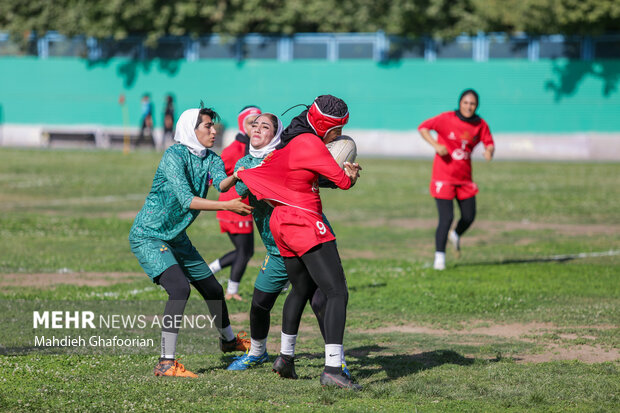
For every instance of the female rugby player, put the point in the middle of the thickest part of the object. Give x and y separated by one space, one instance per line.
458 132
288 179
272 277
239 228
160 243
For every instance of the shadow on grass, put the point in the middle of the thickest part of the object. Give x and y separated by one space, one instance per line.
563 258
399 365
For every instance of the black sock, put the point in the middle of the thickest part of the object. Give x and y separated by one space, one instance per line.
333 370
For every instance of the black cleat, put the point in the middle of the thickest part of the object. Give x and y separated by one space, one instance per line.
285 367
340 380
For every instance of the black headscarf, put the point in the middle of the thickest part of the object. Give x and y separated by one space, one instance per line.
244 139
473 118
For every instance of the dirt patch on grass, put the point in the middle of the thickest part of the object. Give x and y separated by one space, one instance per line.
49 280
500 226
530 332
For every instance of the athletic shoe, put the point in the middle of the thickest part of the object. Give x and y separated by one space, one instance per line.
285 367
246 361
345 370
456 241
440 262
172 368
238 343
338 380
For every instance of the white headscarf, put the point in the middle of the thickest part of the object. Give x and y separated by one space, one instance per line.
186 135
265 150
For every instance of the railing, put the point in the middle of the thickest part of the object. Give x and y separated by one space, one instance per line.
325 46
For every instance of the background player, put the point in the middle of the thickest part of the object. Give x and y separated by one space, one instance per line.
239 228
288 178
158 236
458 132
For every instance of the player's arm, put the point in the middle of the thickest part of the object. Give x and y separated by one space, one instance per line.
489 150
316 157
234 205
241 188
440 149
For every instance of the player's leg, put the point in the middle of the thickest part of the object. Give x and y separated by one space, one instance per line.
244 248
201 277
175 283
445 209
318 303
303 289
323 264
468 214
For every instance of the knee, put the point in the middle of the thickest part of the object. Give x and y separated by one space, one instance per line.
179 292
468 217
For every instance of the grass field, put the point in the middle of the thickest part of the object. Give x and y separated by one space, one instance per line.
520 322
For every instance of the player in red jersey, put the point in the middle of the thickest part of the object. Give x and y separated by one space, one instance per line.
288 178
239 228
458 132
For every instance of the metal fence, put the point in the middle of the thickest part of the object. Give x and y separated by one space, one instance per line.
324 46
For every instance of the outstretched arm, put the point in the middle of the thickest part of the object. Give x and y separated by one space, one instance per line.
234 205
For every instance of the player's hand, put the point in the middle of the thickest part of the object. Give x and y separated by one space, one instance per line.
441 149
241 168
352 171
239 207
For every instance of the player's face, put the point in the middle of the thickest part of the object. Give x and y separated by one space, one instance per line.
331 135
247 124
468 105
262 132
206 132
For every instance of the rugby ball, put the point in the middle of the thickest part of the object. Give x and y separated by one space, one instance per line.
343 149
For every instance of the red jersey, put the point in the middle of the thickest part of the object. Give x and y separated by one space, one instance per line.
460 138
230 155
290 175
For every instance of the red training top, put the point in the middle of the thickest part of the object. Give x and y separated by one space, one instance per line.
230 155
290 175
460 138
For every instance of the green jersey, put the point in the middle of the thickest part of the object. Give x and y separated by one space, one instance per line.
262 211
180 177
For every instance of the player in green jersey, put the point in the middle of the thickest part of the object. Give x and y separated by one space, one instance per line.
160 243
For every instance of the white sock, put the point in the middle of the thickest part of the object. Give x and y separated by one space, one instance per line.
333 355
287 344
215 266
168 344
233 287
226 333
258 347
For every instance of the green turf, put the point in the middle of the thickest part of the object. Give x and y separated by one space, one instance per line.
70 211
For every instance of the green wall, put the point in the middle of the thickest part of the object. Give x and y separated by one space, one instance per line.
516 96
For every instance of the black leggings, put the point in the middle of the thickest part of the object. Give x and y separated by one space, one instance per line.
260 312
318 268
239 257
445 207
177 286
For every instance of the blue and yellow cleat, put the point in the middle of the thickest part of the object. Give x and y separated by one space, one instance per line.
246 361
346 371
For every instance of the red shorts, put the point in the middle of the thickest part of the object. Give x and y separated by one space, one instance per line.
296 230
236 227
451 190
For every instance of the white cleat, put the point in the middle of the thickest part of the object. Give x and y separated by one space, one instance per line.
440 261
